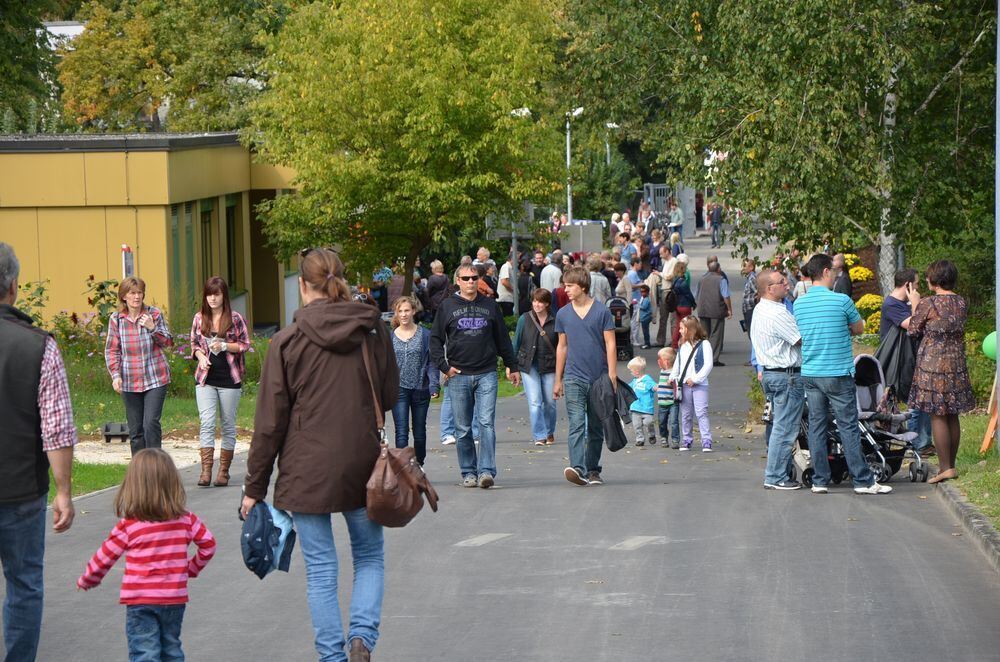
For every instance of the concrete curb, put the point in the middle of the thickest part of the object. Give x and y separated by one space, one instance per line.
976 525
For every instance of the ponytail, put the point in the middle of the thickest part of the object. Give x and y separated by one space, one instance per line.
323 271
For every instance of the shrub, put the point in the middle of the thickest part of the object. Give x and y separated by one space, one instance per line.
868 304
874 322
33 298
861 274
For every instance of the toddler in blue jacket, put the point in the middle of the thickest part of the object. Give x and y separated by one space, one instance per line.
643 407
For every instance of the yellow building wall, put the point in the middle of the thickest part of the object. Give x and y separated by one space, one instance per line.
105 180
267 176
147 178
72 247
26 180
151 257
204 173
18 227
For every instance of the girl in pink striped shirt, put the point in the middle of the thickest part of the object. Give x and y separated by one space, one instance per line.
154 534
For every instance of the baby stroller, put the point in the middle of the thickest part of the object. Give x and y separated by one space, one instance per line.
885 441
621 312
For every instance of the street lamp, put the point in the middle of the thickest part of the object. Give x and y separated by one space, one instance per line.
576 112
610 126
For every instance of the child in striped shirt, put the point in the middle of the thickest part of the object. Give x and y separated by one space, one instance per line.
667 410
154 534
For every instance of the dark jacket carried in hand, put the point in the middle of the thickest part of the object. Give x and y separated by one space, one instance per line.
612 408
469 335
315 412
899 359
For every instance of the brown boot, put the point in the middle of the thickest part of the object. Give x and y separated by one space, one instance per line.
225 459
205 480
358 652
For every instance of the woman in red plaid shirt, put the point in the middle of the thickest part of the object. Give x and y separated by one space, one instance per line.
219 338
134 354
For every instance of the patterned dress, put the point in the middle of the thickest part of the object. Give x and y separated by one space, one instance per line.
941 383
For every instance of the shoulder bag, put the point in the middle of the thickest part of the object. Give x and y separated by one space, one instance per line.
396 488
541 332
679 386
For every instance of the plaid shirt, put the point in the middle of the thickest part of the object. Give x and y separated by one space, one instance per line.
237 333
750 292
135 354
54 405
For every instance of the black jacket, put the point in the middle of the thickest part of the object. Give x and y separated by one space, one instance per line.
533 346
469 335
899 359
612 408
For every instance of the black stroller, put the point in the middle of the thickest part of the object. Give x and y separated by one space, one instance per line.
621 311
885 441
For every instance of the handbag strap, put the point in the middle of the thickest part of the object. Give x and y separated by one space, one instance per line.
379 414
541 331
690 358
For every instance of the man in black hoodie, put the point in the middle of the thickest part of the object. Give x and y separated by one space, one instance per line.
467 336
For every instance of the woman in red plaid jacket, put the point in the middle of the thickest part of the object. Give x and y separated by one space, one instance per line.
134 354
219 339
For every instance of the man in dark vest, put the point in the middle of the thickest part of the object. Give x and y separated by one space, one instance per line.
714 306
37 432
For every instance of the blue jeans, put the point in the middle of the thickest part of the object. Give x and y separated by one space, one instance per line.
716 240
645 331
541 402
670 423
143 413
154 633
586 436
211 400
412 402
448 417
474 397
836 395
22 549
785 390
920 422
320 554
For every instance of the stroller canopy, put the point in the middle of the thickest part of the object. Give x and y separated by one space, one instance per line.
869 381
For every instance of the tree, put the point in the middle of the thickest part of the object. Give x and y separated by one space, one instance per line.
838 120
199 57
25 59
402 122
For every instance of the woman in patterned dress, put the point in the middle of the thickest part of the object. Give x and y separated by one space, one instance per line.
941 385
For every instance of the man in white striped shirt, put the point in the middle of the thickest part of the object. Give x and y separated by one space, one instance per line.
778 346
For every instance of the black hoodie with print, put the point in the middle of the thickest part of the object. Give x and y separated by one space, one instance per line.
469 335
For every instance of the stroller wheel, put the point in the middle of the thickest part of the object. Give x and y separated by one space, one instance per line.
880 471
914 472
924 472
807 477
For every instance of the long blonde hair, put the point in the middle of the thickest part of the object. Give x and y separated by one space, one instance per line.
152 489
414 304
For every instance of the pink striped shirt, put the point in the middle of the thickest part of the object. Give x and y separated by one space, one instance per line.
156 561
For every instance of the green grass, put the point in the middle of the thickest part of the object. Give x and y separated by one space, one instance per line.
91 477
979 475
93 407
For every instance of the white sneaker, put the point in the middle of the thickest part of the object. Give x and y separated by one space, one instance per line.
448 441
706 449
874 488
819 489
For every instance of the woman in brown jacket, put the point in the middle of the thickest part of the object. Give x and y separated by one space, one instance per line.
316 416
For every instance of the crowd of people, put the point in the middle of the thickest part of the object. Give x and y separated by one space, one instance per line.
444 342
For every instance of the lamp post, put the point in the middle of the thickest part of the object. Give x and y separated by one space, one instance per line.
576 112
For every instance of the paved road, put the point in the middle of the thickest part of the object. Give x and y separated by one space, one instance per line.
678 557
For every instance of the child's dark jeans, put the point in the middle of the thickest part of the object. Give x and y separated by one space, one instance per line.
154 633
670 425
645 332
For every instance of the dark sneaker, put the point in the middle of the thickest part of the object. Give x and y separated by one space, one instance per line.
652 442
783 485
594 478
675 445
470 481
640 443
485 481
574 476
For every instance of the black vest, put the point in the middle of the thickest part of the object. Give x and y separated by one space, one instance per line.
534 348
24 467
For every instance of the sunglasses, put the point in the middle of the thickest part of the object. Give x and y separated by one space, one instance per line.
468 279
361 298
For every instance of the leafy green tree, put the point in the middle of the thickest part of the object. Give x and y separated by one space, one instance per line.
200 57
407 122
25 59
838 120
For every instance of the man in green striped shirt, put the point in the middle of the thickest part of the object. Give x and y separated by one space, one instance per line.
826 321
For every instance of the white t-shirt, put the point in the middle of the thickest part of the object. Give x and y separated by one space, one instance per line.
503 294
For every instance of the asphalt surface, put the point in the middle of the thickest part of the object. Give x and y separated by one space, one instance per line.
679 556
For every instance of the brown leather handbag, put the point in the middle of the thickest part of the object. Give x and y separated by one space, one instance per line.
396 489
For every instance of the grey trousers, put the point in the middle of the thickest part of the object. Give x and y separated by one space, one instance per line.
716 330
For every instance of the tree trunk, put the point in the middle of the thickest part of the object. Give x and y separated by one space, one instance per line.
887 240
418 244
